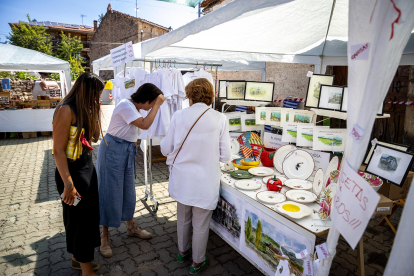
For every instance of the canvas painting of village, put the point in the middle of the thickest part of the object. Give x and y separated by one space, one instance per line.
388 163
227 217
266 240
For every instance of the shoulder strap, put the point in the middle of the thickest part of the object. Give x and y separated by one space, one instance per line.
187 135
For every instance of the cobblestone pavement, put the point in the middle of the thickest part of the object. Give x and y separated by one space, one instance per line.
32 236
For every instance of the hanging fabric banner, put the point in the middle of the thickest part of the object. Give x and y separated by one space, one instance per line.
378 32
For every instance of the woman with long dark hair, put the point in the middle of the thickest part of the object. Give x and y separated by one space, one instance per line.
75 126
116 162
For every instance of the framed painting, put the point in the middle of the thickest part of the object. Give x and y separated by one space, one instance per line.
259 91
390 145
330 97
222 94
314 88
273 116
235 90
344 104
390 163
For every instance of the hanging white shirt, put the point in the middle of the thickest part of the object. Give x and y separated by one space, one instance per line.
195 175
122 117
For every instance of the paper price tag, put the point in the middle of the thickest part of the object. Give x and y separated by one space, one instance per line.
227 84
377 152
360 51
309 74
308 268
374 141
356 133
302 255
322 251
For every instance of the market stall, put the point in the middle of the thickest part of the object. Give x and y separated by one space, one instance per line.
38 113
313 33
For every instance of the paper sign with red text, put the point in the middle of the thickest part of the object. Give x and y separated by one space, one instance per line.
356 133
308 268
122 54
353 205
302 255
322 251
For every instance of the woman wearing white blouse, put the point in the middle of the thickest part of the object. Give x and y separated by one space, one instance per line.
197 141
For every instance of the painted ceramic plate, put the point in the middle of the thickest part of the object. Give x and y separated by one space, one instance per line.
298 164
241 174
228 167
261 171
235 146
333 166
280 156
298 184
301 196
265 179
270 197
293 209
248 185
318 182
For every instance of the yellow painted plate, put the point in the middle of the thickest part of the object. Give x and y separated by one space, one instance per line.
293 209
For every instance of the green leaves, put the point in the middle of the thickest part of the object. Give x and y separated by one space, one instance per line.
31 37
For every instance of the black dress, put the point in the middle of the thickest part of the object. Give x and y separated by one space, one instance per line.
82 221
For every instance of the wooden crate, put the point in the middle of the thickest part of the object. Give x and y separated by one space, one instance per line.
43 103
29 135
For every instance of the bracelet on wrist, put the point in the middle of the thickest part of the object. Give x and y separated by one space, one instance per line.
70 183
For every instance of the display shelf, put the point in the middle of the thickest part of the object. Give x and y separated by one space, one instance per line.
245 103
339 115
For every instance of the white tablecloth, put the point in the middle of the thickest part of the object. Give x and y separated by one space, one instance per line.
26 120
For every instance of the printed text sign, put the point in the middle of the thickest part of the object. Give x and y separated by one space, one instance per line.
122 54
353 205
273 141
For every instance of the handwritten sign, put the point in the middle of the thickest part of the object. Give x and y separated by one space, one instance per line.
353 205
308 268
302 255
356 133
360 51
322 251
374 141
273 141
122 54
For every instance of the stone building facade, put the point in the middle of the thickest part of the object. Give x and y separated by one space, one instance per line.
212 5
21 88
118 28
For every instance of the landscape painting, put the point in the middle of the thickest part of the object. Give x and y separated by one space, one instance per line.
284 114
332 139
248 123
289 133
259 91
236 90
331 97
305 135
302 116
227 217
274 116
261 114
265 241
234 119
314 88
390 163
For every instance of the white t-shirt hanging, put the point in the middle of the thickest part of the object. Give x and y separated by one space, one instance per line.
122 117
127 85
138 74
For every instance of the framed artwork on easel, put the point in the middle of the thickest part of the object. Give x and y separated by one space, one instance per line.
314 88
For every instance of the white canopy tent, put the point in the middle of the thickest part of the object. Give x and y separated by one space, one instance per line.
14 58
250 33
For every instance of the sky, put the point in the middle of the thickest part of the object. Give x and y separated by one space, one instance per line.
69 11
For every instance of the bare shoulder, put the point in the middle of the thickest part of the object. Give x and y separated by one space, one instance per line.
63 113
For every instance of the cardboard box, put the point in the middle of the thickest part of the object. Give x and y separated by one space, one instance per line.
384 206
29 135
45 133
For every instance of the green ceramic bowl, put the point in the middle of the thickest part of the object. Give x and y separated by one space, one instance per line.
240 174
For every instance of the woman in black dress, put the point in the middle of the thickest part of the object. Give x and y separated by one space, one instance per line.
75 125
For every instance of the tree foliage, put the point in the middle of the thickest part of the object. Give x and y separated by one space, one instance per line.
31 37
258 233
248 230
69 49
100 17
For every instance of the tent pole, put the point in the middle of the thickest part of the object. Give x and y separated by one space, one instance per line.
319 70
